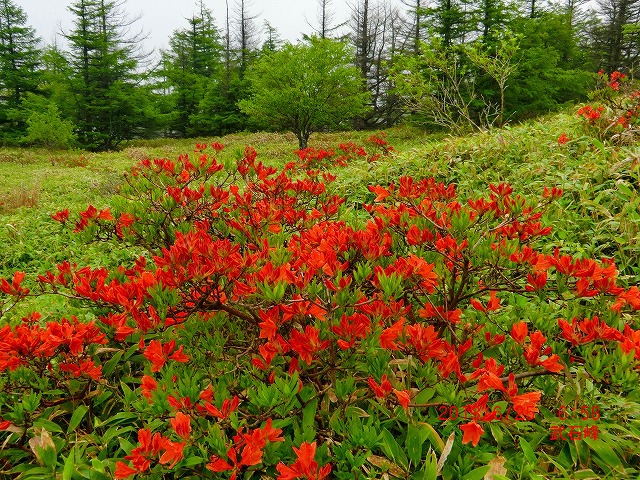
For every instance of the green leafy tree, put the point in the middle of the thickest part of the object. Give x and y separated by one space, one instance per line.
305 88
108 104
498 64
438 88
45 126
19 67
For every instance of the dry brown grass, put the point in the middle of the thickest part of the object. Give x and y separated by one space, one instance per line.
19 197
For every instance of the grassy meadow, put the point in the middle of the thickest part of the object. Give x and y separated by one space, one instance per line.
598 215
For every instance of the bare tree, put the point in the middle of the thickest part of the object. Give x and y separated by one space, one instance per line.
325 18
375 32
247 39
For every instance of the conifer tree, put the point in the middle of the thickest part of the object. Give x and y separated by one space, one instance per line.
615 37
19 67
192 62
108 104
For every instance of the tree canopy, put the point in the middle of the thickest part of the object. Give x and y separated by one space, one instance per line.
219 68
305 88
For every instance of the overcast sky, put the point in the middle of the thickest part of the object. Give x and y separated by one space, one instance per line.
159 18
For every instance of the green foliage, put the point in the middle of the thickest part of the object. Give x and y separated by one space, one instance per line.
19 68
189 67
106 103
44 125
551 68
305 88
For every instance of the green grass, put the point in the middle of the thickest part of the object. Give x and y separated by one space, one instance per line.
598 215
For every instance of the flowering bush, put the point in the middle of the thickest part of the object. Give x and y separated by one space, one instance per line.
617 115
320 158
270 327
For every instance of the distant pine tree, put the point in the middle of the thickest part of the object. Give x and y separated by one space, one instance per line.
109 105
20 61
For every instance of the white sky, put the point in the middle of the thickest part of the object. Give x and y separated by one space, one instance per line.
159 18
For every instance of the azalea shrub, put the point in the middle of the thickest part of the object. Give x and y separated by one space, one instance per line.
616 110
273 329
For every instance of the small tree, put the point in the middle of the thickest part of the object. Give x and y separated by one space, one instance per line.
305 88
45 127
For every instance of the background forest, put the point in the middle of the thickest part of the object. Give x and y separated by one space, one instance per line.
444 63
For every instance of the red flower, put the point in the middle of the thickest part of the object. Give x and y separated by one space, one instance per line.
227 408
181 424
123 471
158 354
425 340
85 367
105 215
251 455
472 433
149 447
307 344
61 216
14 288
519 332
404 397
305 466
173 453
526 404
562 139
389 335
148 386
381 390
552 364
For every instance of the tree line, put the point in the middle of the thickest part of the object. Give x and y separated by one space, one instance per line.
454 64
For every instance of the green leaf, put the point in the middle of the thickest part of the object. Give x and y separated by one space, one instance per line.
118 418
47 425
77 417
496 432
392 449
413 444
97 465
69 463
191 461
628 193
477 473
529 454
430 469
109 367
308 420
424 396
433 436
608 457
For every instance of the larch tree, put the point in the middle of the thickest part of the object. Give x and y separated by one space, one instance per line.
109 106
192 61
20 61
